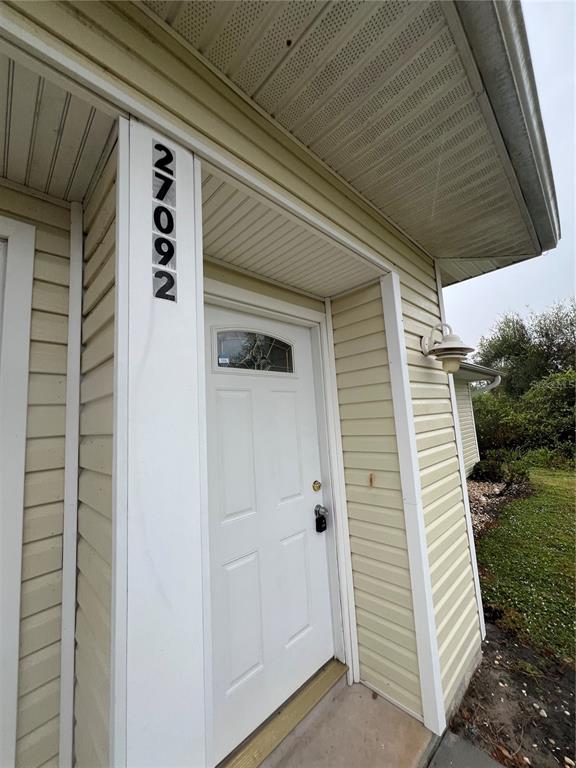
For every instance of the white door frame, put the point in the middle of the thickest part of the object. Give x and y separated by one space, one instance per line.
330 441
16 287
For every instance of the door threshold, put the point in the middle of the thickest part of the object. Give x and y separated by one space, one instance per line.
257 747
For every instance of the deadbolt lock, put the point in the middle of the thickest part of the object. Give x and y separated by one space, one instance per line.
316 485
320 513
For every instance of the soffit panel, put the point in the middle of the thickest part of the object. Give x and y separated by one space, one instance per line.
245 233
379 92
50 140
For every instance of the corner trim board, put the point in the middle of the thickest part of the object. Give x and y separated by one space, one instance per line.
462 470
14 351
424 619
349 626
67 645
119 609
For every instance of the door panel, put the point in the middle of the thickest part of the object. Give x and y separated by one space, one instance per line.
271 613
244 613
288 451
236 460
296 579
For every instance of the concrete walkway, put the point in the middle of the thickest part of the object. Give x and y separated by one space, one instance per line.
353 728
455 752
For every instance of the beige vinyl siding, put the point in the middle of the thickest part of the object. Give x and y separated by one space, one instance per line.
249 283
118 44
95 478
454 597
467 424
41 587
387 643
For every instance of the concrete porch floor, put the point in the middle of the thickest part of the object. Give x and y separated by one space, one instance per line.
353 728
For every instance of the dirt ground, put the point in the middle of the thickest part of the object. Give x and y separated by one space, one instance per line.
520 705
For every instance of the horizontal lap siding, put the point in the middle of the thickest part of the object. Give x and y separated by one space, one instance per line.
387 644
467 424
94 559
249 283
41 587
454 598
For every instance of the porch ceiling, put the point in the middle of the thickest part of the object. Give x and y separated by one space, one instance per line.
50 140
387 94
245 233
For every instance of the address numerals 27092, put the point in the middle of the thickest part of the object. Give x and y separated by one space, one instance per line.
164 244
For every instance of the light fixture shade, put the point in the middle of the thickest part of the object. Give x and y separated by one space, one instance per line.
450 350
451 344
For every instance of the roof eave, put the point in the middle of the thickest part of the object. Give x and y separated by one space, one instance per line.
497 36
477 372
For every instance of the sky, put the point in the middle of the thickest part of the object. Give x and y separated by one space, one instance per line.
473 307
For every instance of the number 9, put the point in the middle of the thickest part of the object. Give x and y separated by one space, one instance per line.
164 249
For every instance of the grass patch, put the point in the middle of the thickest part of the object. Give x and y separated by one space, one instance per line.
527 564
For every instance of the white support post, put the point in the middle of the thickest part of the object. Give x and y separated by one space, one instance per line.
160 459
424 619
462 470
15 317
67 646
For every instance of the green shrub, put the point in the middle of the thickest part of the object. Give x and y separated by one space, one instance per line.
547 458
502 466
548 411
488 471
498 421
542 418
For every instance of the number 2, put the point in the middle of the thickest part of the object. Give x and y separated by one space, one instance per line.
167 282
164 163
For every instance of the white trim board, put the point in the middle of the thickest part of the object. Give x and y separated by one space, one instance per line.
67 645
14 356
343 550
119 574
424 619
227 294
203 471
462 470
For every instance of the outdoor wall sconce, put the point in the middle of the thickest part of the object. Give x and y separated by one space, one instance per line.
450 350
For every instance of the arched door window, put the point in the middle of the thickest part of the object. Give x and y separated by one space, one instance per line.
253 351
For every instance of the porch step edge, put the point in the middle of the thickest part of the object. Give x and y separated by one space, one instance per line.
254 751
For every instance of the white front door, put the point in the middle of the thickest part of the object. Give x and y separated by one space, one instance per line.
271 613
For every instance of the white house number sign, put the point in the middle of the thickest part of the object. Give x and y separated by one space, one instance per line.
164 278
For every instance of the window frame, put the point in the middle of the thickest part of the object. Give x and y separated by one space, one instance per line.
250 371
